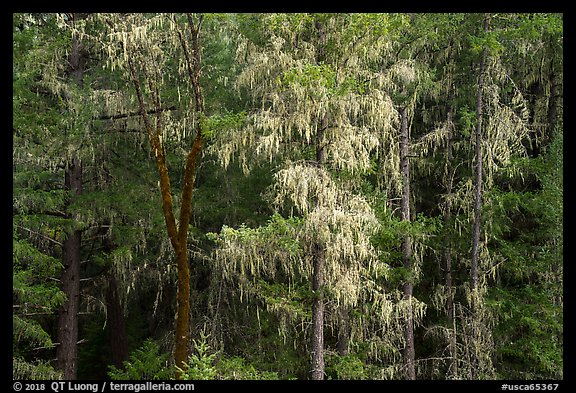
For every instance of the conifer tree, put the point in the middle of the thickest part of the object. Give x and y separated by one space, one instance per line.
317 92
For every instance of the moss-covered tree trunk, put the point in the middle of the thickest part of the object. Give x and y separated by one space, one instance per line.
178 234
478 170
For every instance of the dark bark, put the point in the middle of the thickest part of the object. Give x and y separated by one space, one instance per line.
67 351
409 354
193 62
116 325
77 61
343 345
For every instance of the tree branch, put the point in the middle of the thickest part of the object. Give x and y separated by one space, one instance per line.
134 113
39 234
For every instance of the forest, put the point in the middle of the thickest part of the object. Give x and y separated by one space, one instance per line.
287 196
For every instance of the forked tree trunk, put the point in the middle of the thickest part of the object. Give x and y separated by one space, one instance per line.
406 244
178 234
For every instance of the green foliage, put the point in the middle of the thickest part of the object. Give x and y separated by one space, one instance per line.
228 197
294 300
530 331
268 341
488 41
322 76
206 364
30 331
236 368
39 227
145 363
226 122
200 365
278 228
467 120
37 370
393 230
311 75
529 300
346 367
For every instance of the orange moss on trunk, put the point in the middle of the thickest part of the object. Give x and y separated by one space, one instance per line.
178 234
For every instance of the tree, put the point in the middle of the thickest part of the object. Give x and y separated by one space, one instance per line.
145 62
478 171
154 69
59 102
528 298
529 244
35 265
314 87
406 246
499 136
67 352
410 82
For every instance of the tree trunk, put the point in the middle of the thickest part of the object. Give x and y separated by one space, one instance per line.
182 340
452 365
318 283
318 274
343 345
478 179
406 245
318 315
116 325
67 351
477 199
